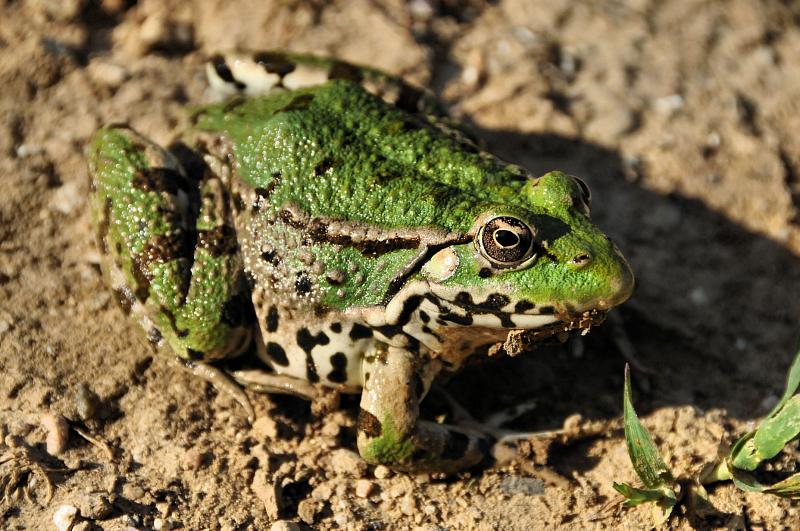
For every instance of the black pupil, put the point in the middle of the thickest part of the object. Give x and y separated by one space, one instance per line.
506 238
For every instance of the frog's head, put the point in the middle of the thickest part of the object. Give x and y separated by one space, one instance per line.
534 261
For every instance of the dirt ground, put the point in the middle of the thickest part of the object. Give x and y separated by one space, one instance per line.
682 117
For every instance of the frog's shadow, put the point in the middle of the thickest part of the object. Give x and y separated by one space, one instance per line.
704 303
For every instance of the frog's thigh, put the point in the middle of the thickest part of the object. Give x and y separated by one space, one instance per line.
170 252
390 431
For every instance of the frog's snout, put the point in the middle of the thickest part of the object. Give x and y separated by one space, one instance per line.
621 282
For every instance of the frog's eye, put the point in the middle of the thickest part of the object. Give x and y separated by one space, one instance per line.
506 241
584 202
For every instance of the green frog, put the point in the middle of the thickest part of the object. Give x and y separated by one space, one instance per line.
333 220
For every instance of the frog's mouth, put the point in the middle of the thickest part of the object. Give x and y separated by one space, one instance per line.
521 340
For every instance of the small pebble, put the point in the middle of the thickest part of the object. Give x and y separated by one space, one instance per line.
67 198
408 505
94 507
105 73
347 462
382 472
57 430
364 488
397 490
194 459
265 427
86 402
269 494
322 492
307 510
64 517
522 485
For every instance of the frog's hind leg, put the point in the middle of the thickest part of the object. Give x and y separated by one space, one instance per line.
251 73
389 429
169 251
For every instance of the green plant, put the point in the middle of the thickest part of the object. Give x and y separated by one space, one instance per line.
660 487
779 428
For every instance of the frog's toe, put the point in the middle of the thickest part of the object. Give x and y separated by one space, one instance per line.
222 382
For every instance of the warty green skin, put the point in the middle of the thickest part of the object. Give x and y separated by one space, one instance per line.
358 230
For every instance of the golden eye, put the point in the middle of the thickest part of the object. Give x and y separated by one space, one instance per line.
506 241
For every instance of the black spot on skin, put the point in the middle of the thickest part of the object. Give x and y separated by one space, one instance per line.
427 330
339 372
409 306
547 310
495 301
271 257
298 103
491 305
360 331
224 72
523 306
277 354
336 328
485 272
274 63
368 424
307 342
302 283
219 241
154 336
341 70
456 446
272 319
464 320
424 317
159 180
194 355
323 166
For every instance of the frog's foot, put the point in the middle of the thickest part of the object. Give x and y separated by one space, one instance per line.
221 381
504 443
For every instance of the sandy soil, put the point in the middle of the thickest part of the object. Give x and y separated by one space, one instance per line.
681 115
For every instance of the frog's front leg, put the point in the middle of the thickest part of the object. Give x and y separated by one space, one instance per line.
389 428
169 251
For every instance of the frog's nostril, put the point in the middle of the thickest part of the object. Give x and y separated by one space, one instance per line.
581 260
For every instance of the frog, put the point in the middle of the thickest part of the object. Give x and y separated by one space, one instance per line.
332 221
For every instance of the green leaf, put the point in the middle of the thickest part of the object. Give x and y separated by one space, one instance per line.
792 383
635 496
787 488
646 461
775 431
